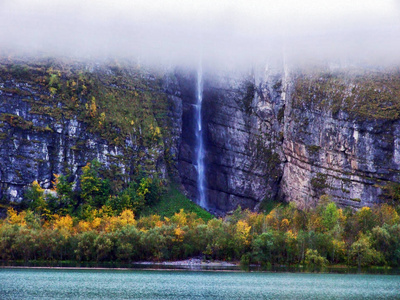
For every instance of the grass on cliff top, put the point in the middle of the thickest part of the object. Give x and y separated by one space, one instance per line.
172 202
367 95
117 101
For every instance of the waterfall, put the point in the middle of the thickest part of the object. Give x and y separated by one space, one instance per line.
199 141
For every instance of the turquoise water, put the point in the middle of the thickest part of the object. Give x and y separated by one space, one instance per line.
118 284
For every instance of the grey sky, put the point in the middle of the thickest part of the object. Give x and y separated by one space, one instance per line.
177 31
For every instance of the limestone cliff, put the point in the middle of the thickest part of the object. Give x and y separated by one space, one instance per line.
269 134
56 117
242 141
294 136
341 136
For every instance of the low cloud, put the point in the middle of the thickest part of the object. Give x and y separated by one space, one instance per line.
218 32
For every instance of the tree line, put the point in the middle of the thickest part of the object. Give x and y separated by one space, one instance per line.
99 187
321 236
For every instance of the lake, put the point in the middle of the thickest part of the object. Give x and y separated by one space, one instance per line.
149 284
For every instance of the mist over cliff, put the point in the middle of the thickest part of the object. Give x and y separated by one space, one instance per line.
222 33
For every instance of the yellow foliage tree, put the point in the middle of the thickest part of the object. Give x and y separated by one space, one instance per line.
150 222
386 214
272 219
127 217
93 107
179 234
15 218
63 223
179 218
242 232
285 224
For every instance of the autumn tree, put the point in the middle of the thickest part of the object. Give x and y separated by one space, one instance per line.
363 254
36 198
66 200
314 260
95 190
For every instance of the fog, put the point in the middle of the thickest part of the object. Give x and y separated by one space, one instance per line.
175 32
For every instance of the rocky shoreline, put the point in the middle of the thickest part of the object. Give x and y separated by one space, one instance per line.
188 264
195 262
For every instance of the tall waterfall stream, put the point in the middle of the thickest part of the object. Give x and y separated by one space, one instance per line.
202 201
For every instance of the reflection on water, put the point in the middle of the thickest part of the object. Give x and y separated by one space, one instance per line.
203 267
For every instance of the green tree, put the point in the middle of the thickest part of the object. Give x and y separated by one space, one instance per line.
363 254
95 190
65 195
36 198
103 245
134 197
128 244
386 239
366 219
330 216
314 260
262 248
153 243
85 248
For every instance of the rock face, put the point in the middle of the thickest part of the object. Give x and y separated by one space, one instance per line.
269 134
272 134
40 135
241 141
338 157
338 142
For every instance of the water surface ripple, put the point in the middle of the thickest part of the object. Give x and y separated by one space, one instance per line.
119 284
